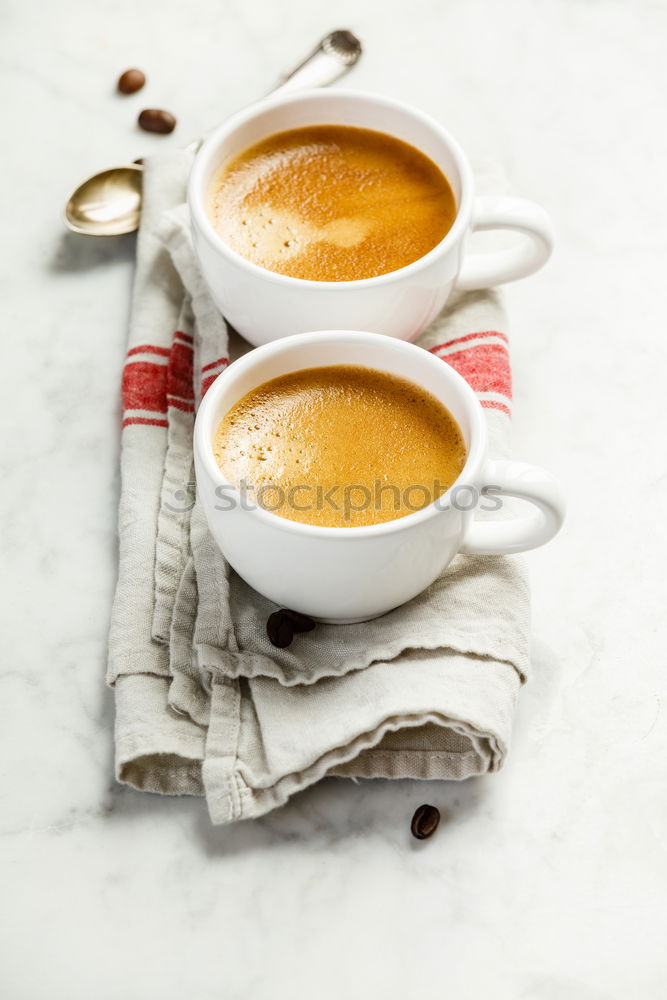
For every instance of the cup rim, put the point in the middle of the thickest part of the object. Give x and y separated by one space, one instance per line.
208 149
469 473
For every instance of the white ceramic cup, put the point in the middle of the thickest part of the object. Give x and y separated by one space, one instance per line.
264 306
357 573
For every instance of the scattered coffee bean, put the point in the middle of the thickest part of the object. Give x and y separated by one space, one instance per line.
301 623
131 81
425 822
156 120
282 625
279 629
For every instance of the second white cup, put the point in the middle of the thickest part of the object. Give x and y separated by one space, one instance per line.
353 574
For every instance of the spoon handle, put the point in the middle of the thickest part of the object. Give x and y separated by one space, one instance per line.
330 59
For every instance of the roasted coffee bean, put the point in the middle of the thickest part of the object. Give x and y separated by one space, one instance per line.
156 120
279 629
301 623
131 81
425 822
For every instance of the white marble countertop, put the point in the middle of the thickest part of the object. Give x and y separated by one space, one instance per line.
545 881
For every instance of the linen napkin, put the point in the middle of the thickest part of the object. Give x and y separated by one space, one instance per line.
204 704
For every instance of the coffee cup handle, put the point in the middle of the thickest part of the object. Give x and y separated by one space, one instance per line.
485 269
527 482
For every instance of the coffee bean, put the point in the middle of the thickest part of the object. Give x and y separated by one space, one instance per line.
156 120
131 81
279 629
425 822
301 623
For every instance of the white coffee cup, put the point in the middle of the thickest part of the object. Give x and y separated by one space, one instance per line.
264 306
357 573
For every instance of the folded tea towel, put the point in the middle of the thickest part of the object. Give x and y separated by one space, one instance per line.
204 703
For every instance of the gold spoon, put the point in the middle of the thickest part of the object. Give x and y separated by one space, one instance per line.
109 203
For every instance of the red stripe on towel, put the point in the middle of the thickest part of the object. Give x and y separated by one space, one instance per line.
144 386
215 364
495 404
206 384
208 380
467 337
148 349
180 372
485 367
150 421
180 404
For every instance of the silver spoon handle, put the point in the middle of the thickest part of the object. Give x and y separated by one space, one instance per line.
332 58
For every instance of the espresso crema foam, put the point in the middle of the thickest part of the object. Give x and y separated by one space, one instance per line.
331 203
340 446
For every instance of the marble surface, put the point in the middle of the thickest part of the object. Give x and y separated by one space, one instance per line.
545 881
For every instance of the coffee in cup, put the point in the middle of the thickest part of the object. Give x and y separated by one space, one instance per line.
340 446
331 203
